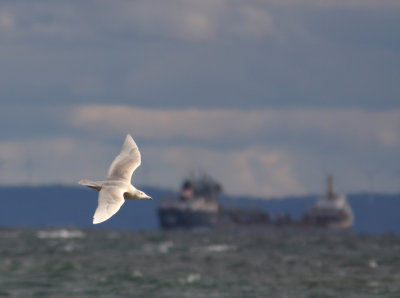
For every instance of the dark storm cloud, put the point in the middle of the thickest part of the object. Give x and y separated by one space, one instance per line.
205 54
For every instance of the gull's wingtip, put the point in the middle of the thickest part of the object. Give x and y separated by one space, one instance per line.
97 220
129 141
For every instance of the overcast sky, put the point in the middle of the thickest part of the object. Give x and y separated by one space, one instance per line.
267 96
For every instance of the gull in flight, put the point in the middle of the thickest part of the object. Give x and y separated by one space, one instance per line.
117 187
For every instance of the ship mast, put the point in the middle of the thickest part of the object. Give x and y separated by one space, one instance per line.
331 193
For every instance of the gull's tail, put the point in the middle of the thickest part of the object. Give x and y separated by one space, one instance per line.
97 185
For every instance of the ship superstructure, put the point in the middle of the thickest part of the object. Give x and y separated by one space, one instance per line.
330 211
195 206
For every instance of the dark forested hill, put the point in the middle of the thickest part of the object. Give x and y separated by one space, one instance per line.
64 206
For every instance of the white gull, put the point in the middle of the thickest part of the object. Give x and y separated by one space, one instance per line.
117 187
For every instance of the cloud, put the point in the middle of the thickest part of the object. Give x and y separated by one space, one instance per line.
176 19
353 126
66 160
251 171
254 22
7 20
50 160
264 152
187 20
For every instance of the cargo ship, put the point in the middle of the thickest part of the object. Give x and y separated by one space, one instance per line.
196 205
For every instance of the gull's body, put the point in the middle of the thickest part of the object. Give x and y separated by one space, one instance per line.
117 187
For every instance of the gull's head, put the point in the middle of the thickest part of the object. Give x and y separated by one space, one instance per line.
141 195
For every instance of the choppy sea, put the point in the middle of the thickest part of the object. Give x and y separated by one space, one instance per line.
197 263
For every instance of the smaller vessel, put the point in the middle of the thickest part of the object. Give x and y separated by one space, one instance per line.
330 211
195 206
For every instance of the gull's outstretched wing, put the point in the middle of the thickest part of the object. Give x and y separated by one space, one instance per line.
126 162
110 200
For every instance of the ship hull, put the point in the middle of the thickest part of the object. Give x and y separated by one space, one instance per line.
176 218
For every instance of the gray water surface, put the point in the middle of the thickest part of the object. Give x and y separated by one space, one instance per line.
197 263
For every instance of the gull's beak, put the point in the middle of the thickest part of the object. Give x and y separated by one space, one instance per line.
150 198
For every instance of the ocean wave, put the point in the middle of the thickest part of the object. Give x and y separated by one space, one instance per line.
60 234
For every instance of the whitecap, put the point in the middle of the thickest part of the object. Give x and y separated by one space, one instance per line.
165 247
372 264
191 278
137 273
60 234
219 248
